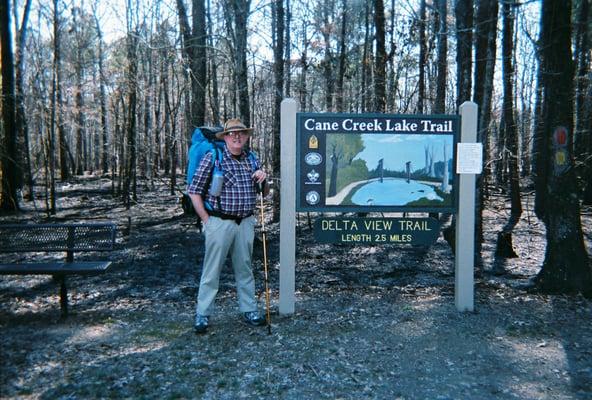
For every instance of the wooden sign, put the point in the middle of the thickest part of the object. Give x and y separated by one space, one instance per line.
376 162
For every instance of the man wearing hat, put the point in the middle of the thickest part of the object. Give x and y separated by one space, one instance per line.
230 226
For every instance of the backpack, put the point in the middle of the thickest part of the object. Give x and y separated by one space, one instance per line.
203 141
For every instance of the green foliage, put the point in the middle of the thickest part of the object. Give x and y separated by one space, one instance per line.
356 171
345 147
341 167
423 202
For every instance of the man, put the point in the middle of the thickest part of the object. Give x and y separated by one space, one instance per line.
228 221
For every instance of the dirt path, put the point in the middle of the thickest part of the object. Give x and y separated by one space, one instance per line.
339 197
371 322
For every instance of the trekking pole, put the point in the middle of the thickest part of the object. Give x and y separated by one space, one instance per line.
263 234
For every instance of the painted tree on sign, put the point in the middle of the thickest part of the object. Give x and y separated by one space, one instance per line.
341 150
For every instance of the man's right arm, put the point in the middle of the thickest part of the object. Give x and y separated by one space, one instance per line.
197 188
199 207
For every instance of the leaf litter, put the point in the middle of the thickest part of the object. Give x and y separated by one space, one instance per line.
371 322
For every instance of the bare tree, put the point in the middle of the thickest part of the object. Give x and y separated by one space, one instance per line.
199 64
79 70
583 106
342 59
102 96
423 47
566 268
366 60
380 61
327 11
510 134
278 75
21 120
442 62
130 182
9 200
287 55
58 118
213 72
485 57
237 14
464 50
304 65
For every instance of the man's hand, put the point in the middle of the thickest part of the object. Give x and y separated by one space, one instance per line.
259 176
200 209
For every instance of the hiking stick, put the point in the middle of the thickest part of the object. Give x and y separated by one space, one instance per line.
263 234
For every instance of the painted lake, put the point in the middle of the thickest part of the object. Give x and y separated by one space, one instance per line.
393 192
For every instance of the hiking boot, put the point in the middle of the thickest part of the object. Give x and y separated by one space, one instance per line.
253 318
201 323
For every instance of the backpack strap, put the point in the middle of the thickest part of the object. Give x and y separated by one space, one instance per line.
216 163
253 161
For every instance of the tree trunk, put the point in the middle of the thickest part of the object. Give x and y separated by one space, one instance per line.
129 187
215 95
485 57
80 133
9 201
566 268
380 61
423 49
583 106
464 47
103 101
194 45
237 18
278 77
342 59
303 72
366 60
167 123
199 79
504 247
442 62
327 63
287 52
22 127
59 119
148 121
392 84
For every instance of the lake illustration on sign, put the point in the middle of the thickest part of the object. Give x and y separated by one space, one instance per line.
389 170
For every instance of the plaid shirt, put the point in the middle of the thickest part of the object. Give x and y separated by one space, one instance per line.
238 196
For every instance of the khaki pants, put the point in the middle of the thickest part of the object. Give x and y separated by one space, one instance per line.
223 237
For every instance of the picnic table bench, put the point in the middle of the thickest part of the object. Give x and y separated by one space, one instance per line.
69 238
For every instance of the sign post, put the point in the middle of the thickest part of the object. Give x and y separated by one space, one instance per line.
464 260
289 108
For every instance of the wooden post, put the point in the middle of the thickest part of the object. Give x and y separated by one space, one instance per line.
464 260
289 108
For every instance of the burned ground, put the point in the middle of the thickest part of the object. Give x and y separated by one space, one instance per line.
371 321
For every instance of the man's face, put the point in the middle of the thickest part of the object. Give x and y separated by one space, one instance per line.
235 141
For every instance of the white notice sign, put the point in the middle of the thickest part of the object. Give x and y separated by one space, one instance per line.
469 158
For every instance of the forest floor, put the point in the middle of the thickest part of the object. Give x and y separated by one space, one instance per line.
371 322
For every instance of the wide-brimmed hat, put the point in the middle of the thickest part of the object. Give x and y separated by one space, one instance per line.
233 125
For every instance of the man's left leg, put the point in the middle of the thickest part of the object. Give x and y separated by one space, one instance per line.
242 252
